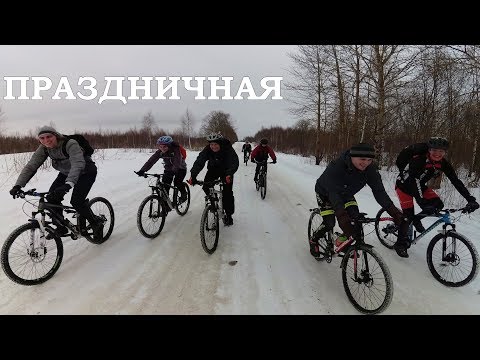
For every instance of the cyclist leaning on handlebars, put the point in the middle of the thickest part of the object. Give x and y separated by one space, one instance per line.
261 153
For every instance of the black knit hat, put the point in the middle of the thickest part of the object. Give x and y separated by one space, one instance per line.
362 150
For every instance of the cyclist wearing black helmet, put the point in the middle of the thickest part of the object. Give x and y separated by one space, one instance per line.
418 163
260 153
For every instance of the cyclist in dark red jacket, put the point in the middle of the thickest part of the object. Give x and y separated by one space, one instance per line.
261 153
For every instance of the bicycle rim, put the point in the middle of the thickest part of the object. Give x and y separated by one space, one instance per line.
209 229
151 216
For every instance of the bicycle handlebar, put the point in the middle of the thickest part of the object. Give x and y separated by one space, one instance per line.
145 175
21 194
208 183
264 162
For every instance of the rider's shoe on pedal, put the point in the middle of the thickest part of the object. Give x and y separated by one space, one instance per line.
98 229
314 248
401 248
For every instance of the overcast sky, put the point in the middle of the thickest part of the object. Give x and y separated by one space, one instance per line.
100 61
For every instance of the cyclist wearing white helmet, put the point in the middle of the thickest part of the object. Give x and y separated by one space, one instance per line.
418 163
222 163
175 167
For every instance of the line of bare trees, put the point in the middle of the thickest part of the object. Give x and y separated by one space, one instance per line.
389 95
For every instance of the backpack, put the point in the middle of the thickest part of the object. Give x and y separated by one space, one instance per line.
409 153
84 144
183 152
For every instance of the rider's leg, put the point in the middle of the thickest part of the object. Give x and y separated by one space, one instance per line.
257 169
328 223
228 202
211 175
178 182
57 200
167 178
406 203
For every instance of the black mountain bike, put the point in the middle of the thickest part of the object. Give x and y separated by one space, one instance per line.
33 252
154 208
366 278
261 183
451 257
212 213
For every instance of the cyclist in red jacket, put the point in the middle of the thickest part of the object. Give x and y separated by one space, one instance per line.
261 153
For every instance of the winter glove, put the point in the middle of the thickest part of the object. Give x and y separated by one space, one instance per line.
61 190
429 210
228 179
471 206
140 173
396 214
274 161
15 192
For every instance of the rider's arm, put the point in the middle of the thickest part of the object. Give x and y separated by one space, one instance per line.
77 161
450 173
151 161
272 153
199 163
37 159
232 162
254 152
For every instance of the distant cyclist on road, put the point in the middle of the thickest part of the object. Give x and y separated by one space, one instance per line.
261 153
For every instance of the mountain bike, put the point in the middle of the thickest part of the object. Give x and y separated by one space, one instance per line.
155 207
33 252
261 183
212 213
366 278
451 257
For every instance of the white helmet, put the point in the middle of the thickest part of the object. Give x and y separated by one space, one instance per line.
214 137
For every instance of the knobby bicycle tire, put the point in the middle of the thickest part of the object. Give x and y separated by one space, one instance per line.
155 207
455 265
107 213
205 225
182 208
34 268
385 291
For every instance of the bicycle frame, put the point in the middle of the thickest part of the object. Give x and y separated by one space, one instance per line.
442 219
160 189
215 196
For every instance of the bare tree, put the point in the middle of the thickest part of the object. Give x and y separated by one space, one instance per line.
218 121
187 127
149 127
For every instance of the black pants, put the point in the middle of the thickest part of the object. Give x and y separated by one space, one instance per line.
177 178
79 193
227 193
328 214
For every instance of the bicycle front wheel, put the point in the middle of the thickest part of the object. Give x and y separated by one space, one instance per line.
315 222
151 216
385 228
452 259
263 186
366 280
103 210
209 229
28 259
182 208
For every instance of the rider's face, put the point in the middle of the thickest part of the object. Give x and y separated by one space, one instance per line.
48 140
215 147
361 163
163 148
437 154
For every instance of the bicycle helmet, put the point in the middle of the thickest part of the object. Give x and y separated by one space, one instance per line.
164 140
214 137
438 143
264 141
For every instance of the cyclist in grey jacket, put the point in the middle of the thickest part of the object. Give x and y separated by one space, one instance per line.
76 171
336 187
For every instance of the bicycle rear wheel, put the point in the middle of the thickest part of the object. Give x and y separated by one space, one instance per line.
28 259
452 259
385 228
366 279
209 229
103 210
151 216
182 208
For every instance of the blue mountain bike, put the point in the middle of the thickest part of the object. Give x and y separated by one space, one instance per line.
451 257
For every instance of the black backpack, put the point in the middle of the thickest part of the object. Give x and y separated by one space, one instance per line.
84 144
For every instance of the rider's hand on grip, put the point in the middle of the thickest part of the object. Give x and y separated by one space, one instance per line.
15 191
140 173
274 161
192 181
471 206
228 179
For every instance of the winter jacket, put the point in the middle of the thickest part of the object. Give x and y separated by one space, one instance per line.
226 159
341 180
260 153
73 166
172 159
247 148
416 169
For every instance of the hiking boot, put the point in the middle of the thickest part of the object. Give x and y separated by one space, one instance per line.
60 231
98 231
228 220
401 249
